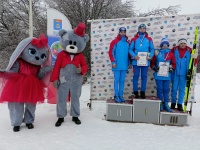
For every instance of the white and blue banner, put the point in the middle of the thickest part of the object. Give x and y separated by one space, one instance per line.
55 22
104 31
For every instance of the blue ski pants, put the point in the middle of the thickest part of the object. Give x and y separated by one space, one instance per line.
178 86
136 71
119 79
163 89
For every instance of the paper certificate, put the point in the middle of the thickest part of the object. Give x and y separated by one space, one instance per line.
143 59
163 69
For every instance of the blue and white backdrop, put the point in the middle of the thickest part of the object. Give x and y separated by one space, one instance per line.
104 31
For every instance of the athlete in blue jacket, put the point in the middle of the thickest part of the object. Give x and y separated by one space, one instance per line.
118 54
179 76
141 43
164 55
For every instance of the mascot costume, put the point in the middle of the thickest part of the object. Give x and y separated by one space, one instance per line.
68 72
25 79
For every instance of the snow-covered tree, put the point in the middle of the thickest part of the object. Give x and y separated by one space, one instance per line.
14 18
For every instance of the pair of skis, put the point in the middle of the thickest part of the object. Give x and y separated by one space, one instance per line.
190 71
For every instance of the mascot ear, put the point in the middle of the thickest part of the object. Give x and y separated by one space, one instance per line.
86 37
62 32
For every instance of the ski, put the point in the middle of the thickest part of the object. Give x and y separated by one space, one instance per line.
190 71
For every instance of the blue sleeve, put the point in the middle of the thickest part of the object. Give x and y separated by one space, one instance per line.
151 49
131 50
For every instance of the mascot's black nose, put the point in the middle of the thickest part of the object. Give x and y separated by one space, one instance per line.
37 58
72 47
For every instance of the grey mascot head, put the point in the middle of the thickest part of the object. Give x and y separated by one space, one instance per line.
74 41
34 51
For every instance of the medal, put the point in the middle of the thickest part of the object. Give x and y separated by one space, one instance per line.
142 40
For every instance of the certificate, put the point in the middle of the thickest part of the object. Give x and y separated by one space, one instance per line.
163 69
143 59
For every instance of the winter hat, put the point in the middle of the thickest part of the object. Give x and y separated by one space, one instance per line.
182 40
80 29
141 26
163 42
122 29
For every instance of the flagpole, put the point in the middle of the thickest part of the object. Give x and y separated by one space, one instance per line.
30 19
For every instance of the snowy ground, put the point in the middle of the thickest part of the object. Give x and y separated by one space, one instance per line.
97 134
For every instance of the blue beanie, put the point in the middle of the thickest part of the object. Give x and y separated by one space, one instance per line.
164 41
141 26
122 29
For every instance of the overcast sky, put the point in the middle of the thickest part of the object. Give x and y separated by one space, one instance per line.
188 6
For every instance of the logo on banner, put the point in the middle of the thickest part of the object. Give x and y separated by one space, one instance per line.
57 24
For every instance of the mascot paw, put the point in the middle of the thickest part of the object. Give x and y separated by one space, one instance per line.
56 84
47 68
78 70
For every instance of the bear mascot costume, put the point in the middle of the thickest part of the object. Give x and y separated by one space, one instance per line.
67 75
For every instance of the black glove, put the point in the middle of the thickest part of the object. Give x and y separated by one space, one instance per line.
156 69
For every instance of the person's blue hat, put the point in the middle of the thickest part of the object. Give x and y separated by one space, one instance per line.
141 26
163 42
122 29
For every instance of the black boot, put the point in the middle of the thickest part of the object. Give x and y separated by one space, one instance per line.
16 128
59 122
136 95
30 126
142 95
76 120
173 105
180 107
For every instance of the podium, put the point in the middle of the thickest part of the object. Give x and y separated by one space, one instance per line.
119 112
144 111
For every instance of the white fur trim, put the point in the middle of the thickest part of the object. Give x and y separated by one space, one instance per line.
182 41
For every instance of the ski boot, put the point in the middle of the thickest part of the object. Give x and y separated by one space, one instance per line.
166 107
121 99
173 105
142 95
117 99
136 95
180 107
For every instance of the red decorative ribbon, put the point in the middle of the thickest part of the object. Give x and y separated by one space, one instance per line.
40 42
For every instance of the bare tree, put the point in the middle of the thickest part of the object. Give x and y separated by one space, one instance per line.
171 10
14 18
83 10
14 25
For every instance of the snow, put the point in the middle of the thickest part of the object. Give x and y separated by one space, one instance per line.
95 133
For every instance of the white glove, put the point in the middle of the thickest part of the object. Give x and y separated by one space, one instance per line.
194 55
156 52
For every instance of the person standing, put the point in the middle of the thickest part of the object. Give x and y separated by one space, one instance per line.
163 63
119 58
141 51
182 55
